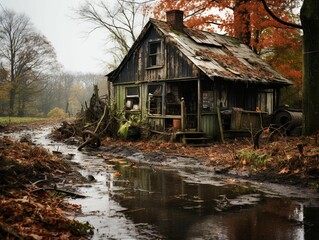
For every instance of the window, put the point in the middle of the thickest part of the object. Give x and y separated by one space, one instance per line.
155 99
155 53
207 100
266 100
132 98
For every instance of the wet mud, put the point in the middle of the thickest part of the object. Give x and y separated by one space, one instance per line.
135 195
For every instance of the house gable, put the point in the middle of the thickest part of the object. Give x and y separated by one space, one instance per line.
140 64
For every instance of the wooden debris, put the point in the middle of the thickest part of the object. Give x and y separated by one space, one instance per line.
66 192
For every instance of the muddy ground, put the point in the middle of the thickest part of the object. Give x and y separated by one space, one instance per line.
280 162
292 161
287 160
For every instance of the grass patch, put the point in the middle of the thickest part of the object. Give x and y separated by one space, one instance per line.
4 121
251 157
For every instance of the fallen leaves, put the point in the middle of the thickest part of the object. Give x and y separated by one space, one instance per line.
285 170
27 217
29 214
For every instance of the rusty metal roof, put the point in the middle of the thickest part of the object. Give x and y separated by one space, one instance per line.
221 56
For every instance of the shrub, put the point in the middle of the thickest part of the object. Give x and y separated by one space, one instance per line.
57 113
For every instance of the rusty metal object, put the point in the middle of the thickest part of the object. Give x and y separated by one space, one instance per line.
285 122
289 119
91 138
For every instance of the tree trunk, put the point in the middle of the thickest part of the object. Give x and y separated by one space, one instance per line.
310 23
242 22
12 95
67 106
21 107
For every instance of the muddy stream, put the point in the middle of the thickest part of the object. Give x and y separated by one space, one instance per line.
132 200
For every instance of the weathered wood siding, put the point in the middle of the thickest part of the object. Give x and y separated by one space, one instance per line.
119 94
242 96
135 70
178 66
209 124
175 66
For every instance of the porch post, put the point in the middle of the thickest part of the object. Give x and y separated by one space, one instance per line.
199 96
182 114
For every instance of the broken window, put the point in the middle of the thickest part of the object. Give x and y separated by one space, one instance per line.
132 98
155 53
155 99
222 97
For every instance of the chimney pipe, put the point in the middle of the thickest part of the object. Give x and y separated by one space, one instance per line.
175 19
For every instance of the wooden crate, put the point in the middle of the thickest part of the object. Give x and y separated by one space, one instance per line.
246 120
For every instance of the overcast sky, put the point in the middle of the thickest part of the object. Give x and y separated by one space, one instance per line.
76 51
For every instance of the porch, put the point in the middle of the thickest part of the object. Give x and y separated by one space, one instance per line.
212 126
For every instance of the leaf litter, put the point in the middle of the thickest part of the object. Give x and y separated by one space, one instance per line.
30 206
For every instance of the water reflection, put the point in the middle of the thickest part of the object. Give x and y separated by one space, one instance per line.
182 209
251 223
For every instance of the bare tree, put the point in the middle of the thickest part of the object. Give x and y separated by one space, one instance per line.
25 55
122 22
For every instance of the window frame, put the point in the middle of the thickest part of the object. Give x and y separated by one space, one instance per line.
266 99
156 96
135 98
158 55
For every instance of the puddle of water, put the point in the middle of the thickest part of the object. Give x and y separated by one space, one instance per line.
184 206
143 202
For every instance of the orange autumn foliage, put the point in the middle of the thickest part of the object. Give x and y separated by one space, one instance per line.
244 19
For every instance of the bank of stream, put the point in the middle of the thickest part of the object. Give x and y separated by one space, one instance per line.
130 197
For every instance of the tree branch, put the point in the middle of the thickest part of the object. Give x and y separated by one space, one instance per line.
293 25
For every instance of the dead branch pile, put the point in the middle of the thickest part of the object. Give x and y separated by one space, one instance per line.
89 118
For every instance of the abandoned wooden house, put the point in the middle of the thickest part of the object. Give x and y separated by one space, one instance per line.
180 78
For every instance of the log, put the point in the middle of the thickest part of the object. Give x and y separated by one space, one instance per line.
220 125
71 194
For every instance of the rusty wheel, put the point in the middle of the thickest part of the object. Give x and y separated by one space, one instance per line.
92 139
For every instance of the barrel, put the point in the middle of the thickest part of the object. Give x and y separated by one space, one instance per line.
177 123
288 119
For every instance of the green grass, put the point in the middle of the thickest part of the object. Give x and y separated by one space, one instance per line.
20 120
